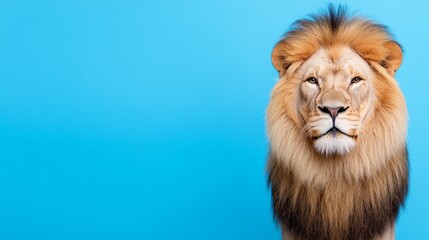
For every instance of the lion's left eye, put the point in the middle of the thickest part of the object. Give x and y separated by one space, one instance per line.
356 79
312 80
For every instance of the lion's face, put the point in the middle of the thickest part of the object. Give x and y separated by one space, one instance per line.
335 97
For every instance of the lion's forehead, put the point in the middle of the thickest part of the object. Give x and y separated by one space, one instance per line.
334 61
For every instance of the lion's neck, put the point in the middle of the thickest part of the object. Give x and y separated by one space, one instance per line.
339 209
389 234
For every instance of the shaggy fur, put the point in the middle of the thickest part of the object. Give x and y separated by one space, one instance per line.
355 195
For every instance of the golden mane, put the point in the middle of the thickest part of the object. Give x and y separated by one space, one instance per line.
335 28
356 196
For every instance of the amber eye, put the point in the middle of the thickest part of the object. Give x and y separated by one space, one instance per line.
356 80
312 80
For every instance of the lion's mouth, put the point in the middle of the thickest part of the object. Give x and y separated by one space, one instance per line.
334 131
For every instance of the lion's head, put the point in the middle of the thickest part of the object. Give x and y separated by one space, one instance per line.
336 97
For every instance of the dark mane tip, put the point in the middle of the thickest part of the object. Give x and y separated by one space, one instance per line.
333 16
338 17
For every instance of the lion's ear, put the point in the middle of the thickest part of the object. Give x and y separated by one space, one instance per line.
394 58
279 57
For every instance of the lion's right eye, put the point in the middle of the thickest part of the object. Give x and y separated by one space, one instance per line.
312 80
356 80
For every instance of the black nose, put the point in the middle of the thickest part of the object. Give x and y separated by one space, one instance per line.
333 111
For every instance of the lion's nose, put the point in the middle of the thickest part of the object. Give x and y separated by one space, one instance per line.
333 111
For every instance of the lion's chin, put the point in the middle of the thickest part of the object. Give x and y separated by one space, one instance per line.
334 143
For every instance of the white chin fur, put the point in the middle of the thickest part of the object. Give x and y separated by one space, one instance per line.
339 144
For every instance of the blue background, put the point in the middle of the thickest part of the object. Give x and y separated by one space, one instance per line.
145 119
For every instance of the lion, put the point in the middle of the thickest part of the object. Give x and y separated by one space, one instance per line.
337 125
